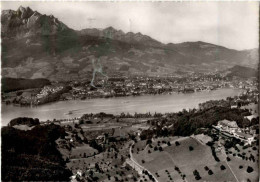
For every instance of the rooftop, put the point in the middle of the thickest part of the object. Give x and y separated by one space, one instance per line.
232 124
244 135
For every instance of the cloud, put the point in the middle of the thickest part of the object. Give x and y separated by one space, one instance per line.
231 24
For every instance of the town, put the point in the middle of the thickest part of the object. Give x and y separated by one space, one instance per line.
116 86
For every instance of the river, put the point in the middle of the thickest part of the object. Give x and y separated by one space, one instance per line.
140 104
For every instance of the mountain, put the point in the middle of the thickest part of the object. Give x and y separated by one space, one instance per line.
130 37
26 22
41 46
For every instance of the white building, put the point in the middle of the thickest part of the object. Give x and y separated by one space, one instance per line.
245 137
228 126
232 128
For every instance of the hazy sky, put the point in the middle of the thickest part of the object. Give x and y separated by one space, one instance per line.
231 24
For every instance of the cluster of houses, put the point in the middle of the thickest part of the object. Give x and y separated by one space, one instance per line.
230 129
48 90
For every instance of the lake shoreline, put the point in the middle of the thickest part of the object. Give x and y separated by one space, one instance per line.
109 97
162 103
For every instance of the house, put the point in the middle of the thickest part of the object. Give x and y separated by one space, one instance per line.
230 129
251 117
77 174
228 126
101 139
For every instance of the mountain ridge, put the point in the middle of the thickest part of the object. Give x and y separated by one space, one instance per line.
29 22
41 46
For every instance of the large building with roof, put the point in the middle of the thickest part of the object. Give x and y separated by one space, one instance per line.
231 129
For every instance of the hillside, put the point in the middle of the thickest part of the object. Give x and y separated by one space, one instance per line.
41 46
182 156
242 72
14 84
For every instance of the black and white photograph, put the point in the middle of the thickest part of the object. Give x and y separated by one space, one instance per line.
130 91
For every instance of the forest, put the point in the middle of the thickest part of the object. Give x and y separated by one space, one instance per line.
15 84
32 155
186 123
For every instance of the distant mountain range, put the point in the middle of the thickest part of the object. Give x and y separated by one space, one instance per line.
41 46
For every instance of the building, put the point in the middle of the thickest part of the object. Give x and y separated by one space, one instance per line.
228 126
244 137
230 129
233 106
251 117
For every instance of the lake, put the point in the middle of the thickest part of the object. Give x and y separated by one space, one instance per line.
140 104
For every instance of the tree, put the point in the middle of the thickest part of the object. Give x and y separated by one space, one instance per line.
177 169
81 122
210 172
108 176
222 167
228 159
249 169
197 175
206 168
97 167
160 149
190 148
148 142
143 161
177 143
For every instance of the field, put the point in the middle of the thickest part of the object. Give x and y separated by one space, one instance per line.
105 165
23 127
108 162
237 161
82 151
163 163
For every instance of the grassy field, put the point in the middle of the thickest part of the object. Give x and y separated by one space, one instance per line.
111 162
81 151
163 163
23 127
237 161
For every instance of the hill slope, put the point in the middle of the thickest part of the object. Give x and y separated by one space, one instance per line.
242 72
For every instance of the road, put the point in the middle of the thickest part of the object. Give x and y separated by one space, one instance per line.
136 163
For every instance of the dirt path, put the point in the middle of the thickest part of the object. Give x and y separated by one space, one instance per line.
229 165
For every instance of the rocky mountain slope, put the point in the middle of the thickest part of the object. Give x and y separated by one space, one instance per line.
41 46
